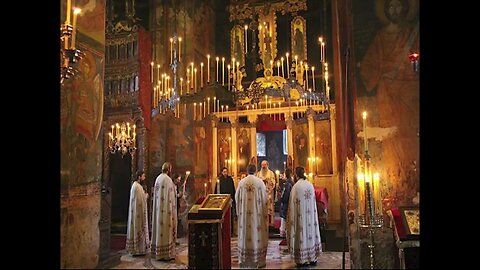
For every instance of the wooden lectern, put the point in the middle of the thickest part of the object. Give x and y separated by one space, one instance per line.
209 233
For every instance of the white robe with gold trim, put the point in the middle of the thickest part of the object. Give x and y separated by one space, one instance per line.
303 231
138 242
251 198
164 218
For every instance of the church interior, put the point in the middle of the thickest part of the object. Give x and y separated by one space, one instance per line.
328 85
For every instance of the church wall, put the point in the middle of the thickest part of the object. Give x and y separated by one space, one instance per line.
81 144
386 87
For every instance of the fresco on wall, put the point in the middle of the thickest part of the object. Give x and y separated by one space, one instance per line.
200 163
300 145
92 19
181 143
237 44
224 147
157 147
81 116
385 33
323 147
243 146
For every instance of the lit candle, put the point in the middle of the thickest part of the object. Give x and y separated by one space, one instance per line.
218 186
320 41
365 139
192 79
324 57
284 166
283 71
179 47
205 185
278 68
306 75
296 60
214 103
217 67
313 78
194 111
370 205
327 89
228 72
208 105
218 105
69 9
195 84
288 69
271 65
76 11
201 75
171 50
223 70
208 68
246 35
188 80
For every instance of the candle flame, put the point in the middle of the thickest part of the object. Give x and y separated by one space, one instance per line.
364 115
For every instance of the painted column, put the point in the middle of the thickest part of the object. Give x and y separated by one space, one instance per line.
233 152
334 137
215 171
289 123
252 119
311 140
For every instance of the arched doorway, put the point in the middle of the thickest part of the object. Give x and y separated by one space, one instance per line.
120 179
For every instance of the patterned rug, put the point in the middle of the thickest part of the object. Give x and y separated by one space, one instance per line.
277 258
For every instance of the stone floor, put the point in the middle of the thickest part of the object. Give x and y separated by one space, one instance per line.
277 258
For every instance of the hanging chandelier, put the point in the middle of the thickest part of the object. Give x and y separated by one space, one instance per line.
120 139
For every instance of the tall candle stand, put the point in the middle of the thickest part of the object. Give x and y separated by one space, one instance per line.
370 220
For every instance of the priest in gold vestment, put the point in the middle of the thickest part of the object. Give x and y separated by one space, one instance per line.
268 177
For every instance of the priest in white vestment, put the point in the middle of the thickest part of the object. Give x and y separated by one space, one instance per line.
251 198
164 216
268 177
303 231
138 242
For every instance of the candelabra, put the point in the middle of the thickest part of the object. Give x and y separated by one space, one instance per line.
120 139
166 97
370 220
69 55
